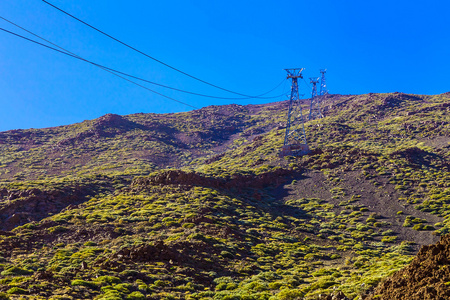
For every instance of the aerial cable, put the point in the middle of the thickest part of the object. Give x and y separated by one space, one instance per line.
147 55
106 69
284 91
307 84
283 81
110 70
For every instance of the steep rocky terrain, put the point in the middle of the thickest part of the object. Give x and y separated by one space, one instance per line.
426 277
199 205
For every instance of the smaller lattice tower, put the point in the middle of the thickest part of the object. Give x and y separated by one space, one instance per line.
323 83
295 138
314 108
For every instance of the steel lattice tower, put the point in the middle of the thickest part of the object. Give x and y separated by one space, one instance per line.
295 138
314 108
323 83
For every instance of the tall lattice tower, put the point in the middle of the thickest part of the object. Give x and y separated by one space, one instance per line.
323 83
295 138
314 108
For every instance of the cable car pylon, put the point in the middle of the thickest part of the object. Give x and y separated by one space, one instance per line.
295 138
314 108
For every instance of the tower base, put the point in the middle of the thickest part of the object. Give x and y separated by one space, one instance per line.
294 150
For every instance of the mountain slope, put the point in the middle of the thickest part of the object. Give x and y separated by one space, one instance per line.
137 143
199 205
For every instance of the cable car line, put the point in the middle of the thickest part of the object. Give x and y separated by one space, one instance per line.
147 55
65 51
107 69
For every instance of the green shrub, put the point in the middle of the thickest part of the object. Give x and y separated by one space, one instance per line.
135 296
57 229
410 221
335 256
389 239
188 225
16 291
111 295
226 254
108 279
421 227
388 232
407 223
289 294
3 296
13 271
29 226
80 282
221 286
123 287
143 287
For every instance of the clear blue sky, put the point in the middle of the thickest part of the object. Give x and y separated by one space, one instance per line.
367 46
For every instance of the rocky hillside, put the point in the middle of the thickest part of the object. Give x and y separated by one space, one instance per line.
426 277
199 205
134 144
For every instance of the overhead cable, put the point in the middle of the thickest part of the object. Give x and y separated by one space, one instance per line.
107 69
307 84
110 70
147 55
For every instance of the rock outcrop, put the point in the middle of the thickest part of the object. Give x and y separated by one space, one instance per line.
189 179
427 277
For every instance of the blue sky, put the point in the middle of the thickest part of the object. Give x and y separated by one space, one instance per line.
367 46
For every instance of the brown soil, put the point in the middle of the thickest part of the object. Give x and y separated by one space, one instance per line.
24 206
427 277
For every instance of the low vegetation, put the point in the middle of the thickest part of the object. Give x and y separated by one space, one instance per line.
199 205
